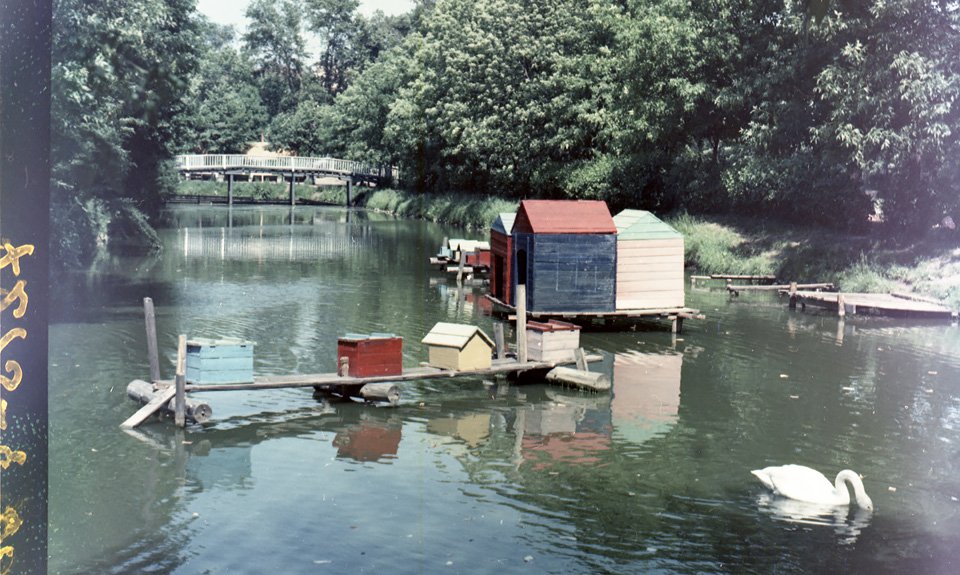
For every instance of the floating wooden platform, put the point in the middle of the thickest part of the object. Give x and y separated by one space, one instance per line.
158 396
675 314
333 382
893 305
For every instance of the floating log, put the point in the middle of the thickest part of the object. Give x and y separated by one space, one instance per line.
589 380
144 392
386 392
154 405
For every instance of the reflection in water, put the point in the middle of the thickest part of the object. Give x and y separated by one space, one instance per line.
567 428
372 438
646 394
274 243
471 428
847 521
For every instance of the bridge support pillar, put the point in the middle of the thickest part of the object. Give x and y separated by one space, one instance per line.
230 190
349 190
293 198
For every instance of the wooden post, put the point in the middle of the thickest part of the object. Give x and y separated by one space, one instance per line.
521 323
840 306
793 295
152 354
230 190
581 359
349 191
676 324
498 339
463 259
180 404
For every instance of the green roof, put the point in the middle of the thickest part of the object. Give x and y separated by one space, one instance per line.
642 225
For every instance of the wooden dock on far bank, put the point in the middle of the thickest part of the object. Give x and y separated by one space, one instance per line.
891 305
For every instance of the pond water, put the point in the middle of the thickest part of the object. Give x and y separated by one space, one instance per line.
474 475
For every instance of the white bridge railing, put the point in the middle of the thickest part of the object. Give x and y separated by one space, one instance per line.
224 162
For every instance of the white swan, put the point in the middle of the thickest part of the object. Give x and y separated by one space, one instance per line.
805 484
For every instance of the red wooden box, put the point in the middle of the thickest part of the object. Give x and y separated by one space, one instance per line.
376 354
479 258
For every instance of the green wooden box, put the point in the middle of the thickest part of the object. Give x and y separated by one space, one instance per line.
219 361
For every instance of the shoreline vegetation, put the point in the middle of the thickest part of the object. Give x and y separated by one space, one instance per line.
870 261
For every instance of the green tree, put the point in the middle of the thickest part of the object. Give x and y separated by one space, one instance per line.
224 109
119 72
891 91
505 95
275 44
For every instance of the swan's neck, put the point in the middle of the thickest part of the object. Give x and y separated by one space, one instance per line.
859 493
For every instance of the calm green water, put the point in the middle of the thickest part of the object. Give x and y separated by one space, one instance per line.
472 475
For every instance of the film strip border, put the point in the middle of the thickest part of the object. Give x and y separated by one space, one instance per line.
24 282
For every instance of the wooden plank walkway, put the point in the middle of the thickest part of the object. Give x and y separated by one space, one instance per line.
876 304
335 383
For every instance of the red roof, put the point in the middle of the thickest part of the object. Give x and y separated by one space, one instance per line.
564 217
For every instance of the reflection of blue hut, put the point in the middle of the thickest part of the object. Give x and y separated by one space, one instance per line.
565 252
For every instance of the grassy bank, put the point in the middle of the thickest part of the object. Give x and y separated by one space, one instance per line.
871 262
465 210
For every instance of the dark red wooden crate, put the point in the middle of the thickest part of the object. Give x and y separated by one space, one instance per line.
372 355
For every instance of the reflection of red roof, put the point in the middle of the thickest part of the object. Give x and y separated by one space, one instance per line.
367 442
581 448
564 217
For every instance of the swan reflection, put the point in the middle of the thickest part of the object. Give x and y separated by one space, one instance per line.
847 522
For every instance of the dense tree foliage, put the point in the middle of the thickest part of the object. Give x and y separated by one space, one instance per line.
826 110
120 69
225 110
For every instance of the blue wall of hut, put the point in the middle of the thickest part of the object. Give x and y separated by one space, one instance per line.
566 272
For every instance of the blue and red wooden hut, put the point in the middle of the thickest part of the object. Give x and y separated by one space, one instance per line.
501 249
565 252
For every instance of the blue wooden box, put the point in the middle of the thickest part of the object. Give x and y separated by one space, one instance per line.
219 361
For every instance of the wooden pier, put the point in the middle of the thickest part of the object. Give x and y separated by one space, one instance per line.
736 289
761 279
891 305
675 315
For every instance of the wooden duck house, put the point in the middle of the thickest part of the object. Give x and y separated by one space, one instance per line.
371 355
459 347
565 252
649 262
553 340
501 248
